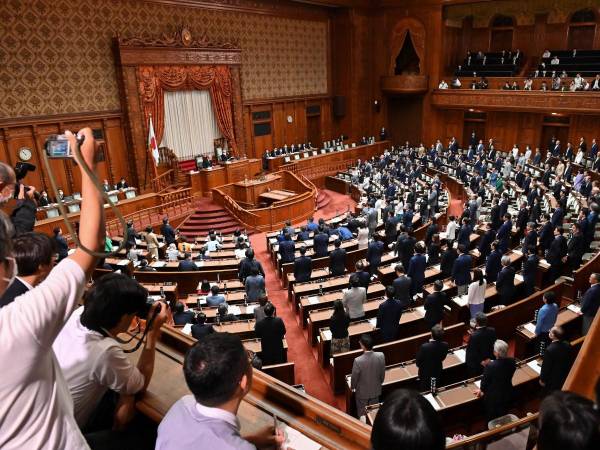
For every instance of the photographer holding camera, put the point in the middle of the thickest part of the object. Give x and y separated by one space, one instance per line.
88 351
36 410
23 216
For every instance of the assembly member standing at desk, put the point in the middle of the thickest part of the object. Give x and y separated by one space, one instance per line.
368 373
430 358
496 384
271 331
302 266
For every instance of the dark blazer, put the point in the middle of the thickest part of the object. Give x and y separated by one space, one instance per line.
416 272
434 308
302 268
557 250
530 239
447 261
480 348
464 235
575 249
558 359
62 247
493 265
497 387
271 331
388 319
495 218
364 278
430 357
23 216
530 268
486 242
168 233
14 290
402 286
337 262
183 317
505 285
557 217
246 266
186 266
591 301
374 252
546 235
199 331
461 271
287 251
503 235
320 243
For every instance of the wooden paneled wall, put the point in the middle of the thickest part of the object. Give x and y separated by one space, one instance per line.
285 132
509 128
32 133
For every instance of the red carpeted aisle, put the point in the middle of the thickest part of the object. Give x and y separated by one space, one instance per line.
308 371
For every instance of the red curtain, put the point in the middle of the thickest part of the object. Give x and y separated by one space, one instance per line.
154 80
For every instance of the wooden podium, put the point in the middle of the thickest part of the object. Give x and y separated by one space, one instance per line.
203 181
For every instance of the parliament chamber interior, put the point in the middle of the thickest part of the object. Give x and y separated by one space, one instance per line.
300 224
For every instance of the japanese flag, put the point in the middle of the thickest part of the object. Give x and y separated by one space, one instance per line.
152 142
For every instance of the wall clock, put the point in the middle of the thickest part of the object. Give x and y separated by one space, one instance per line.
25 153
290 119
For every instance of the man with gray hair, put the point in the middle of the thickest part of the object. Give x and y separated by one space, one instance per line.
496 384
7 183
505 284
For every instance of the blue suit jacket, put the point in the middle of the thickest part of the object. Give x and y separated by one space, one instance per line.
416 271
557 217
461 271
504 234
286 250
320 243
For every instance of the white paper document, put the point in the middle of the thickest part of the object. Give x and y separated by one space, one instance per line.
313 300
420 310
199 263
529 327
187 328
461 300
477 383
574 308
250 309
327 335
535 366
123 262
296 440
235 310
373 321
433 401
158 264
461 354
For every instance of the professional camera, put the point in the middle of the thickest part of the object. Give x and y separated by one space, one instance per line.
145 310
57 146
21 170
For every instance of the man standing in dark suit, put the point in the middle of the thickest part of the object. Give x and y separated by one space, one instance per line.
531 236
530 268
557 362
302 266
495 217
388 316
493 263
557 217
247 264
504 233
480 348
271 331
555 255
168 232
287 249
505 284
430 357
496 385
485 245
461 271
416 269
546 233
368 373
434 305
320 244
405 247
401 286
337 260
575 247
33 255
590 303
374 253
364 278
464 234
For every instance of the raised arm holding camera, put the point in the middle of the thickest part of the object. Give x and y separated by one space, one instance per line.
36 410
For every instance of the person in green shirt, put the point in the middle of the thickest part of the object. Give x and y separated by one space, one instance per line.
108 244
499 185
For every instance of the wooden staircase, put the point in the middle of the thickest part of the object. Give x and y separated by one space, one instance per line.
208 216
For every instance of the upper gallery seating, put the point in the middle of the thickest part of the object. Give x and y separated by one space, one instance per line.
506 63
584 62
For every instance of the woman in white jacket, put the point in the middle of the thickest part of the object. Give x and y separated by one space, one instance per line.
476 293
363 236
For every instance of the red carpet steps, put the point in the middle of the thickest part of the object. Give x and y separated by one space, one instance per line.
208 216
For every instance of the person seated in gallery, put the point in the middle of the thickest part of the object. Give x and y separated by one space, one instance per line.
122 184
106 186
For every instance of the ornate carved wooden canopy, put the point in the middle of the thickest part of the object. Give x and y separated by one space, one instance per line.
181 48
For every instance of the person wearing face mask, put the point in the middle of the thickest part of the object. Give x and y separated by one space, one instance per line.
34 257
7 183
36 410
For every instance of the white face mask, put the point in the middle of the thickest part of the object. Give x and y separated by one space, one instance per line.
14 271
